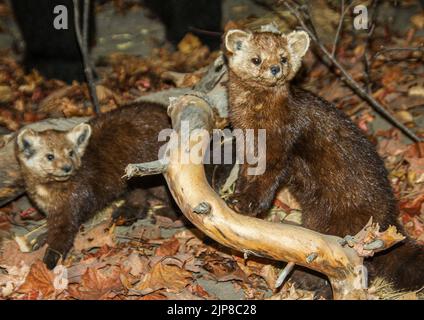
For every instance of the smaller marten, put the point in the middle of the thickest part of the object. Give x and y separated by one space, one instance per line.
313 149
71 175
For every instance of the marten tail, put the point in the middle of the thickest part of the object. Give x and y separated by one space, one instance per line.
403 265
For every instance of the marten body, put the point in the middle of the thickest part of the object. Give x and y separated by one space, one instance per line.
312 148
71 175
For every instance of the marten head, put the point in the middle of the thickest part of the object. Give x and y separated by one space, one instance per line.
52 155
265 58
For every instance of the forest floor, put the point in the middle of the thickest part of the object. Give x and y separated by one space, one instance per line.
158 258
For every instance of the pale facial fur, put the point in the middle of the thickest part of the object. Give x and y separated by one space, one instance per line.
266 58
53 155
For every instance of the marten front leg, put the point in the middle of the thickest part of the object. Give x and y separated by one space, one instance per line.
254 195
62 228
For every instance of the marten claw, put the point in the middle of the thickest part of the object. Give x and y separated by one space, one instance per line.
246 207
51 257
127 215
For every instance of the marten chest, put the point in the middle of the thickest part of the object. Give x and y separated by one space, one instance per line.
46 198
258 111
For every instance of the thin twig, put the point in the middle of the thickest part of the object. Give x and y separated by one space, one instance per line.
350 81
284 273
206 32
86 15
339 28
83 44
367 64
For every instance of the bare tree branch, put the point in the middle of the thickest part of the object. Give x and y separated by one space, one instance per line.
83 44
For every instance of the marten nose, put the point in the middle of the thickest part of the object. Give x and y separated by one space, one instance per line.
275 70
67 168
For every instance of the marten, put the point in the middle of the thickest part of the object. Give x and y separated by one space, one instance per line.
70 175
313 149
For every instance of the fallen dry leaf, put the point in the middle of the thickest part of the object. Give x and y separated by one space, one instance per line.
10 255
416 91
224 269
189 43
413 207
270 276
418 20
136 264
168 248
167 223
39 279
95 237
162 276
96 284
12 279
145 233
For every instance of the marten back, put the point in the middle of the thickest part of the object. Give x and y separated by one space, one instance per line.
126 135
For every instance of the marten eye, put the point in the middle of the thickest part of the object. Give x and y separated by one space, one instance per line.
50 157
71 153
256 61
283 60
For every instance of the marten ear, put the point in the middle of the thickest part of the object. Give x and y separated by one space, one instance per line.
27 141
79 136
234 39
298 42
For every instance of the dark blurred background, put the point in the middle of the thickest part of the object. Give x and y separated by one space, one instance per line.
134 27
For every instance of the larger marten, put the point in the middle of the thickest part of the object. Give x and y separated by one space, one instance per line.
313 148
71 175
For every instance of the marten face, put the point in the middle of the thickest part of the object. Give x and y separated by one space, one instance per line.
52 155
265 58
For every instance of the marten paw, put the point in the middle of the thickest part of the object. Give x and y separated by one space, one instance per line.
245 204
166 211
51 257
127 215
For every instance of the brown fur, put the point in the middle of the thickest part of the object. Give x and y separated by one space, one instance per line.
123 136
315 150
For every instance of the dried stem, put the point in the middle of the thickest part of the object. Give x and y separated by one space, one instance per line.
83 44
367 64
284 273
339 28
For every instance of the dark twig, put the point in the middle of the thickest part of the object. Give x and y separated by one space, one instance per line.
206 32
83 44
349 80
367 64
339 28
86 15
